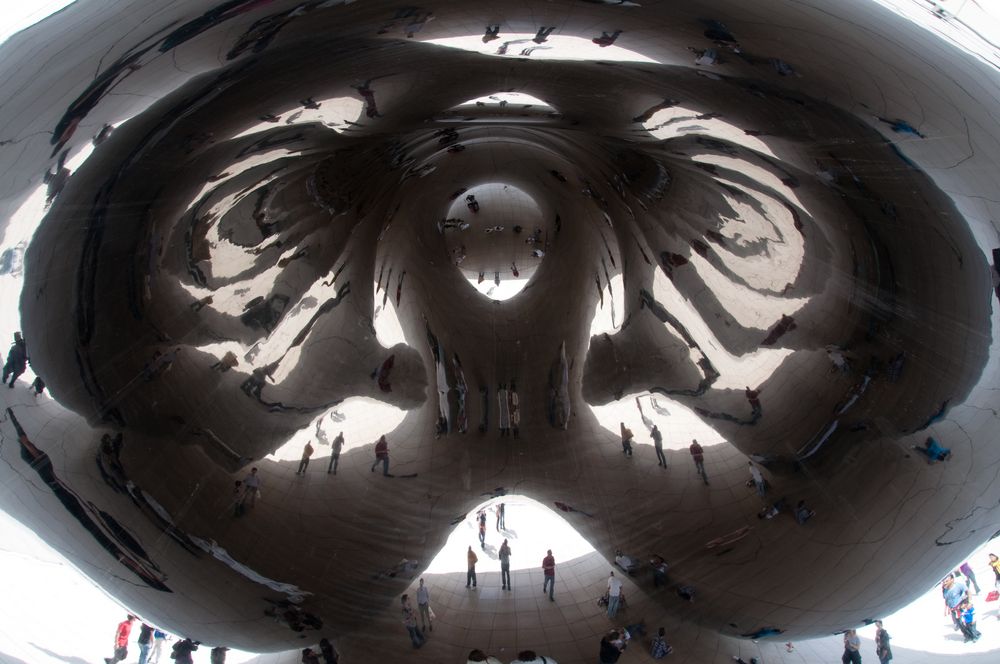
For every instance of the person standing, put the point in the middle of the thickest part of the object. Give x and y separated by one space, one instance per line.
251 487
470 576
410 621
966 571
657 437
549 571
338 445
995 565
424 606
614 595
181 652
698 454
159 638
758 479
382 454
852 645
482 529
627 437
145 641
218 655
307 452
882 649
504 566
121 636
968 617
17 360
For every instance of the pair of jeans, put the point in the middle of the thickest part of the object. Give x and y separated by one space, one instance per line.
385 465
613 605
550 583
416 636
334 460
471 577
505 575
303 465
660 457
143 653
851 657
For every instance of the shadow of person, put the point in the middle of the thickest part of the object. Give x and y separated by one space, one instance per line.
508 533
69 660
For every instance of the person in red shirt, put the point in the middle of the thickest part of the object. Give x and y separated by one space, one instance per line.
382 454
121 640
549 570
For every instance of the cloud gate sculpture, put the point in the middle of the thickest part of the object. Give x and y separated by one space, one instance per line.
511 238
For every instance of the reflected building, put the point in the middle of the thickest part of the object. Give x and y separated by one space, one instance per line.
229 226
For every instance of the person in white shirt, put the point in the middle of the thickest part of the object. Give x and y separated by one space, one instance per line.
424 604
614 595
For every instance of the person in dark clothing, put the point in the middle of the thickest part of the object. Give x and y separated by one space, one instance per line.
218 655
181 652
309 656
145 642
330 655
17 360
610 651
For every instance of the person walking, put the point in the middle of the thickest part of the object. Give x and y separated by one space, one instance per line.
424 606
970 576
482 529
145 641
159 638
549 572
758 479
501 517
995 566
614 595
307 452
17 360
698 454
251 487
338 445
852 646
121 637
505 566
657 437
470 576
382 454
882 649
410 621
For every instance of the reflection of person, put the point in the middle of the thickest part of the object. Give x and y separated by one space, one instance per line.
698 454
145 640
969 575
882 649
852 644
549 571
121 640
17 360
614 594
307 452
504 555
470 576
382 454
627 437
758 479
657 437
995 564
410 621
424 606
251 487
611 647
159 638
338 445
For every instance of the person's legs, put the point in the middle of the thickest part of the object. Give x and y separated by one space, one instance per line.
425 616
549 586
143 653
7 369
505 576
469 576
612 606
413 636
971 576
473 572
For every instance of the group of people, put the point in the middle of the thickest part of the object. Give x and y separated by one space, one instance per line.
150 642
959 605
852 646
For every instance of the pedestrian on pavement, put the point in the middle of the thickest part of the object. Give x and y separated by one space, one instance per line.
121 639
424 606
505 566
470 576
549 571
698 454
